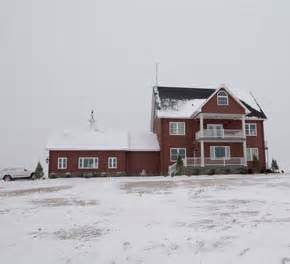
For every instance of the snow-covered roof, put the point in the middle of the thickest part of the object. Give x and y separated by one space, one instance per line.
180 108
143 141
182 102
103 140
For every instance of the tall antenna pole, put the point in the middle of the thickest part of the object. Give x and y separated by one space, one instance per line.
156 73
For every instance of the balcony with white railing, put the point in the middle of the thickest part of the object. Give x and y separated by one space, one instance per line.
223 134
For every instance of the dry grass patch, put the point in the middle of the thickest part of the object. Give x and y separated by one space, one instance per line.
55 202
32 191
80 233
166 185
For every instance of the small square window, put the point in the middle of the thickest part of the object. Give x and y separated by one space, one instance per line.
175 152
177 128
251 129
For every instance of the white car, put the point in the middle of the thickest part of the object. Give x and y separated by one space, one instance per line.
9 174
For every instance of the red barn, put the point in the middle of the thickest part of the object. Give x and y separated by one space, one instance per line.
208 128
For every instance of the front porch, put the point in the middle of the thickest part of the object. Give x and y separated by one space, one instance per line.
209 163
197 162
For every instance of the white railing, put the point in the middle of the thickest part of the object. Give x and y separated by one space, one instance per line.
196 162
172 170
220 133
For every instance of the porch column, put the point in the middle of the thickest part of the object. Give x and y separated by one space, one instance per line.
202 153
244 125
201 142
245 140
201 124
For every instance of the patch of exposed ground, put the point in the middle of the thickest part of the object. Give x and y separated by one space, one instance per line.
166 185
273 220
148 186
84 233
33 190
80 233
55 202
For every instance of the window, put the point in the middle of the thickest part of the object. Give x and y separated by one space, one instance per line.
220 152
112 163
88 163
175 152
62 163
222 98
251 153
177 128
251 129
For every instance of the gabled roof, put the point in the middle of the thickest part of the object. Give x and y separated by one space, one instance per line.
94 140
229 93
182 102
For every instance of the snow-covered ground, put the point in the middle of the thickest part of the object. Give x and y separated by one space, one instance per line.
205 219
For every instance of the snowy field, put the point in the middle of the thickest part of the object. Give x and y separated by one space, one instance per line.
205 219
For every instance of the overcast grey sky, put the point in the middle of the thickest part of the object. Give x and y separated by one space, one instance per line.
61 58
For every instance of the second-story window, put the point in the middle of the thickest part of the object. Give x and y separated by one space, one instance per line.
222 98
177 128
251 129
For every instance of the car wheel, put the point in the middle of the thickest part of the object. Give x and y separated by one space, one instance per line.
7 178
32 176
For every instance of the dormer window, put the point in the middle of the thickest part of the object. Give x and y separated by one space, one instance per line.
222 98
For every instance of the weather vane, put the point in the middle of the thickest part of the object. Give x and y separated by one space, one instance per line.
92 120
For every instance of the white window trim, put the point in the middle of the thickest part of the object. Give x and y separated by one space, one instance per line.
178 122
249 125
62 167
171 155
222 96
96 163
214 156
251 154
109 163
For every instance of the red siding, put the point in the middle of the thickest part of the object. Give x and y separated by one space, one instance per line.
175 141
131 163
232 108
227 123
139 160
258 142
193 147
73 157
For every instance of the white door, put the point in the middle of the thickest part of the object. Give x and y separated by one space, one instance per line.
215 130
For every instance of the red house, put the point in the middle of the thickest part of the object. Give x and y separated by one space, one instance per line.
210 129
